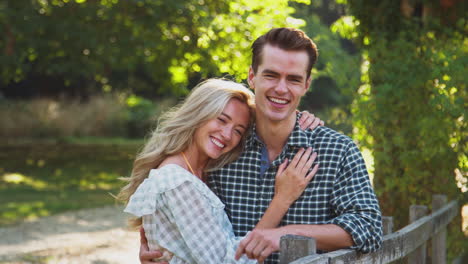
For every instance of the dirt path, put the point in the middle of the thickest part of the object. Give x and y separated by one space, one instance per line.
93 236
96 236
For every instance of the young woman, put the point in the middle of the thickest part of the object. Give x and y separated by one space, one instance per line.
166 190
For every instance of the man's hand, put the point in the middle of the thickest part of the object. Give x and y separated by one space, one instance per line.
260 243
146 256
310 121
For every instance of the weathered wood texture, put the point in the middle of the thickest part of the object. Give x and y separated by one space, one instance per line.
395 245
297 247
387 225
419 255
439 246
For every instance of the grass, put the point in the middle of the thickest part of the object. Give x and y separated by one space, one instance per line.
40 179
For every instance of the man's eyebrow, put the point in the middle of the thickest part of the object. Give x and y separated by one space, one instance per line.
269 72
295 76
229 117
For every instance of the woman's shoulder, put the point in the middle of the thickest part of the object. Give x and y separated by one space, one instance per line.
146 199
168 177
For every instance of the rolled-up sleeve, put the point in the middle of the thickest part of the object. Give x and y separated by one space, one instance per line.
206 239
356 204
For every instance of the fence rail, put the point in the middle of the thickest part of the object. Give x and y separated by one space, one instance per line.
409 241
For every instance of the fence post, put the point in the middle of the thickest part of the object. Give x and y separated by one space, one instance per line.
293 247
387 225
439 248
419 255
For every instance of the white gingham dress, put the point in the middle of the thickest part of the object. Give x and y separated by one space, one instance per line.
181 214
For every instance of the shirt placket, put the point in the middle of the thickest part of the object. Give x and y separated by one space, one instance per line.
267 180
260 180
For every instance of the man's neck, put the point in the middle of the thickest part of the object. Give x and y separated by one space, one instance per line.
274 134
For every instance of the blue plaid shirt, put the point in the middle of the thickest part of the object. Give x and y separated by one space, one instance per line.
340 193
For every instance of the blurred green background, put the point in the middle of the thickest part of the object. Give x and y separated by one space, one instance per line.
83 82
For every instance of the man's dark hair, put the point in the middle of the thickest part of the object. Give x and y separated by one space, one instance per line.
289 39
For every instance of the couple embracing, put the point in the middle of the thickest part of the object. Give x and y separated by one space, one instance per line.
228 172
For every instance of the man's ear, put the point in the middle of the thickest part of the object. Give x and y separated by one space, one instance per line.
308 82
250 78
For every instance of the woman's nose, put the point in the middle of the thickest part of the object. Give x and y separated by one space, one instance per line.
226 133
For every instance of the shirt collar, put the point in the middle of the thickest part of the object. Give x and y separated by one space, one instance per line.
297 138
253 138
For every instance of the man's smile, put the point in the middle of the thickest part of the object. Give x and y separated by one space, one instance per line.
277 100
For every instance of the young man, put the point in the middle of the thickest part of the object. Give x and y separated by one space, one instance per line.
338 208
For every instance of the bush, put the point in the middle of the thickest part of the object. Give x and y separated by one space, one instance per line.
141 114
100 116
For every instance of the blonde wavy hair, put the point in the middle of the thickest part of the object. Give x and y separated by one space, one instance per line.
177 126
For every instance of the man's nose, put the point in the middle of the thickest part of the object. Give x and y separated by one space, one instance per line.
281 87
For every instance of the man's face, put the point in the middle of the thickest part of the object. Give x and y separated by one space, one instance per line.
280 82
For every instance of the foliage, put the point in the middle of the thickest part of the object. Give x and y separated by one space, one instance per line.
107 115
40 118
337 118
336 59
415 120
411 106
335 76
141 114
42 179
151 47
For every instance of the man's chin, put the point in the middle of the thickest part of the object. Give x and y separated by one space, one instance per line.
278 117
274 115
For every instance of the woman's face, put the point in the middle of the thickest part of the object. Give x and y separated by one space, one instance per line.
222 134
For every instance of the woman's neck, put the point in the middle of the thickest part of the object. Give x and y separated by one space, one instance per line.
195 161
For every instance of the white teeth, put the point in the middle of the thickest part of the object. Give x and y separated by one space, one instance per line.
277 100
217 142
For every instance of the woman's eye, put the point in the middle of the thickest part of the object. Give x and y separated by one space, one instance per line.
238 132
222 120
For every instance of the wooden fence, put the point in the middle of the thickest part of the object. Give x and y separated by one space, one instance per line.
410 241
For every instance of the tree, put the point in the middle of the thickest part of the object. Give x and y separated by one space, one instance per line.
411 107
151 47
